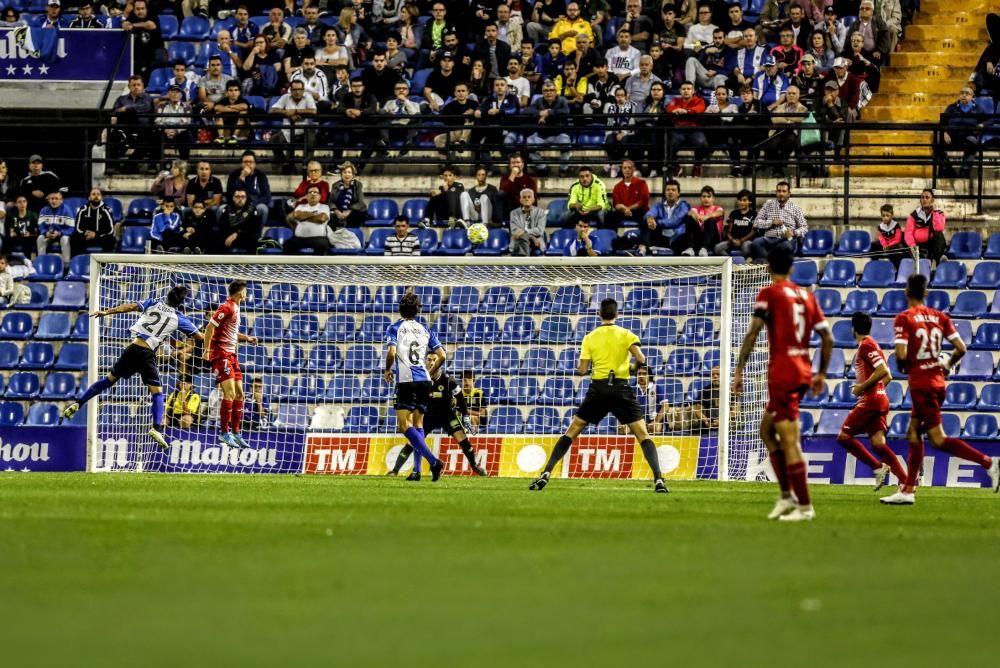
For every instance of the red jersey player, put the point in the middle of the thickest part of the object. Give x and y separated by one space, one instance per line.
920 331
221 337
869 415
790 314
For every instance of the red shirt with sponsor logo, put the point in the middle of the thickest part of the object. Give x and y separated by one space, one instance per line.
227 327
922 330
791 314
868 359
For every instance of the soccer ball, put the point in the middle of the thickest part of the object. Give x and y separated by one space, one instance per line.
478 233
944 359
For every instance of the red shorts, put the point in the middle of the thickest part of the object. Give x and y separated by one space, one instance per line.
226 367
783 398
926 407
866 419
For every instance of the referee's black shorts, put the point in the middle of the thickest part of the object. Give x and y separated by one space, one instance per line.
137 360
617 398
413 396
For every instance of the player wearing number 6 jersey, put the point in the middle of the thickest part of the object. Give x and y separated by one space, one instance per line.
791 314
160 319
408 343
920 331
222 334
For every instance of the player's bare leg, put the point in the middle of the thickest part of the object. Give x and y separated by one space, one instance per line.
228 388
914 463
638 429
236 416
890 462
795 465
786 502
862 454
562 446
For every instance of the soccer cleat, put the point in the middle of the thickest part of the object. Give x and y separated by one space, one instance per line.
994 473
436 469
70 411
782 506
158 437
238 440
226 439
900 498
540 484
480 471
799 514
881 476
414 476
392 473
660 487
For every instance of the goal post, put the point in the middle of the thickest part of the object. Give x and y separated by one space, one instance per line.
316 402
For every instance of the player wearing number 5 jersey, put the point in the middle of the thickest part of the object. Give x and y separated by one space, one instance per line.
791 314
408 343
160 320
222 334
920 331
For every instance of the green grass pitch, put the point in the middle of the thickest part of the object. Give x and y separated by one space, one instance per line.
154 570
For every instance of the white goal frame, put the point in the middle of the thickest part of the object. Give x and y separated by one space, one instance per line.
724 266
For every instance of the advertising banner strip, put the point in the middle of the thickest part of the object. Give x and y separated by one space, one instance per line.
32 449
34 54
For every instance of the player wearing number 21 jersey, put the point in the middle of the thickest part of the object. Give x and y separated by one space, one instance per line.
791 314
159 321
920 331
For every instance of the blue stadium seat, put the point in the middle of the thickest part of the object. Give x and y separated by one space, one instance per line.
362 358
817 243
23 385
965 246
496 243
518 329
183 51
54 326
467 358
374 388
697 331
534 299
843 334
117 214
502 359
278 234
877 274
430 298
42 415
343 388
976 365
939 299
47 268
584 326
989 398
159 79
554 212
894 391
17 326
806 423
140 210
865 301
72 357
11 414
361 420
569 299
253 357
307 388
821 401
324 357
340 328
970 304
566 360
287 358
950 275
906 269
854 242
494 389
70 296
414 209
559 241
282 297
641 300
964 329
134 239
276 386
428 241
37 356
386 298
523 390
959 397
951 424
883 332
893 303
830 421
10 356
454 242
354 298
39 297
482 329
381 212
980 427
540 360
894 367
79 268
376 241
318 298
463 299
373 328
682 362
555 329
449 328
710 301
805 273
679 300
660 331
601 291
987 337
543 420
504 420
268 328
898 425
557 392
193 29
985 276
993 247
841 396
837 363
498 299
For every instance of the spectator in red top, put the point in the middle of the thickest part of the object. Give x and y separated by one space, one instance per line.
925 228
702 227
512 183
683 110
787 55
314 177
890 243
629 198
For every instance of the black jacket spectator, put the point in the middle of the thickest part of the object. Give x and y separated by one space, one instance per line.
239 227
381 83
43 182
94 217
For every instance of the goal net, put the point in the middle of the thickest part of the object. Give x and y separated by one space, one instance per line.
316 401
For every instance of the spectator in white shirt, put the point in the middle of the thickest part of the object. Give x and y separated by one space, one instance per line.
297 109
311 225
623 60
517 83
316 84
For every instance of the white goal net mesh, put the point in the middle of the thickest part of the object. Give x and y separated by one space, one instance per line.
316 401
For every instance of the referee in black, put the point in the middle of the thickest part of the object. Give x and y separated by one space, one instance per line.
607 350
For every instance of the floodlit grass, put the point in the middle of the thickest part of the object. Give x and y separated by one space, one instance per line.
155 570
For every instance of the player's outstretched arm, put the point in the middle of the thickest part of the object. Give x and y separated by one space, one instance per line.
745 349
121 308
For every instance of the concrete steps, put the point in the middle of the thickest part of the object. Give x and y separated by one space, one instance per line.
911 57
881 171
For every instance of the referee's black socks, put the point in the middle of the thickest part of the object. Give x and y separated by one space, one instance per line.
649 452
558 452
